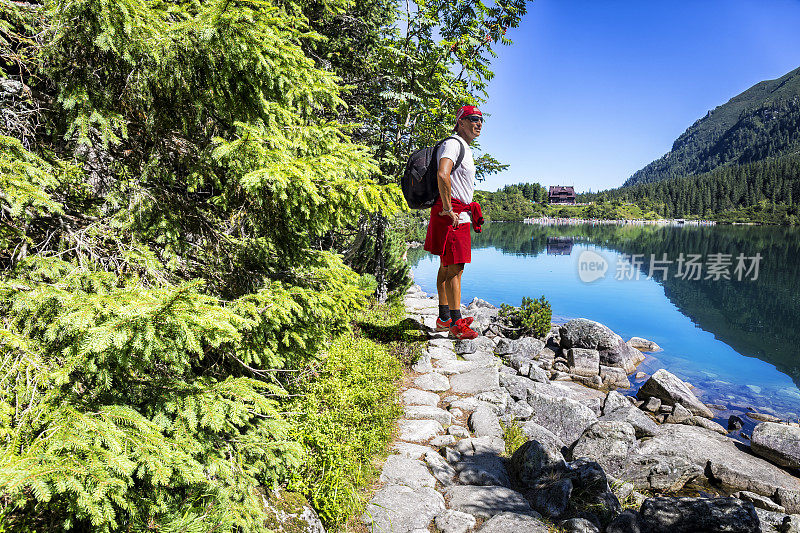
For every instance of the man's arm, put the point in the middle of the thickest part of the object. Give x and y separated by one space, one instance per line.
445 189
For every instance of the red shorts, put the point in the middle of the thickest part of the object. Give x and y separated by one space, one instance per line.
457 245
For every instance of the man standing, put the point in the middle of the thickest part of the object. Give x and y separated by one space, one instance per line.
448 229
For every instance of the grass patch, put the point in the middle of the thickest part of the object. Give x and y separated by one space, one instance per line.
345 411
513 436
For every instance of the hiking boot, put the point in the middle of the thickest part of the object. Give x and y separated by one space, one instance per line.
460 330
444 326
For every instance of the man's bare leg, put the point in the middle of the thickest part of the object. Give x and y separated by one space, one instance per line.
453 286
441 278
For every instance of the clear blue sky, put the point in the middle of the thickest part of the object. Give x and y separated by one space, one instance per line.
592 91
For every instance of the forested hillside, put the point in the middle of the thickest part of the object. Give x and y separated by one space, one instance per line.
762 122
189 194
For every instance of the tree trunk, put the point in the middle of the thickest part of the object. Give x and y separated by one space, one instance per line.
381 291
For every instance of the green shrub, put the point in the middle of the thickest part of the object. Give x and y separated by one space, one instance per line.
345 414
513 436
530 318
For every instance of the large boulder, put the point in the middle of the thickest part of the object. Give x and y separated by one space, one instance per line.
565 417
485 502
400 470
670 389
607 442
643 345
643 425
535 459
660 473
777 443
401 509
475 381
484 423
726 461
517 386
583 361
584 333
535 431
693 515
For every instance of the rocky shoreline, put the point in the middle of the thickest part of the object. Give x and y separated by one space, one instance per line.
595 460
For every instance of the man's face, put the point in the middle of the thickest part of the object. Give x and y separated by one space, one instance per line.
472 124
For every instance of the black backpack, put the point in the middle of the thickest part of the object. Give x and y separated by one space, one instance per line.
419 183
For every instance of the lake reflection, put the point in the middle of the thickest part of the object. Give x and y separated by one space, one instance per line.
735 340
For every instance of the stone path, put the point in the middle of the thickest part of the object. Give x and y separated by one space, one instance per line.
447 469
587 451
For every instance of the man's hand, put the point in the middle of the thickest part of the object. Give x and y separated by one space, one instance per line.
453 217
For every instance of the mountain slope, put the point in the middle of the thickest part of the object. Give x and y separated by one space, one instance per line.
761 122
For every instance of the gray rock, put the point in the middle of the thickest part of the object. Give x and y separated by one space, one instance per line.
441 353
622 356
789 498
521 410
594 382
671 390
401 509
734 423
627 522
759 501
614 400
536 459
503 369
514 523
481 356
419 430
692 515
662 473
426 412
484 423
705 423
652 404
483 469
538 432
451 456
607 442
450 521
643 345
680 414
517 386
614 376
441 343
505 347
552 499
560 366
529 346
583 333
536 373
772 522
464 346
475 381
643 425
419 397
484 344
400 470
454 366
583 361
442 440
443 472
565 417
432 382
498 397
478 303
726 461
412 451
578 525
423 365
458 431
486 502
481 446
471 403
777 443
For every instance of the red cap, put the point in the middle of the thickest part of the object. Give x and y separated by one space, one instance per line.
466 111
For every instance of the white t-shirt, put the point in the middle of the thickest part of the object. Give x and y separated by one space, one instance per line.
462 179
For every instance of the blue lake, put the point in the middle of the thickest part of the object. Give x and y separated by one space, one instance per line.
735 339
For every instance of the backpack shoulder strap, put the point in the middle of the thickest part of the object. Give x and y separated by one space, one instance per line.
461 151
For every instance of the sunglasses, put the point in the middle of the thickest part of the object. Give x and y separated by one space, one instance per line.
474 118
